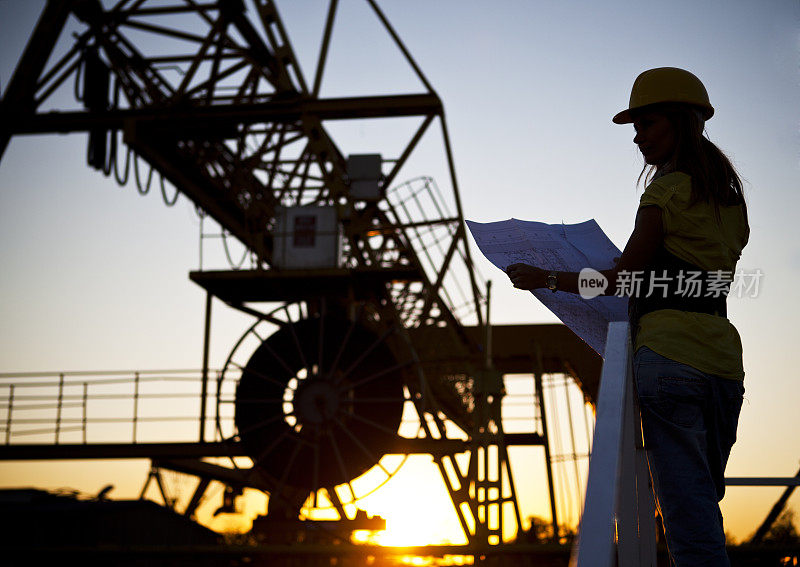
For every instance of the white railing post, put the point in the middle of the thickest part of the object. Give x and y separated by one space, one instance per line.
618 513
636 528
645 504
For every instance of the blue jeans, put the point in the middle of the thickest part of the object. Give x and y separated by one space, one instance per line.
689 421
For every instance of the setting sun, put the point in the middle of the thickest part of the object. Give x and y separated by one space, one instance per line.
417 509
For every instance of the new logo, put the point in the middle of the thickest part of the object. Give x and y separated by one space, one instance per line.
591 283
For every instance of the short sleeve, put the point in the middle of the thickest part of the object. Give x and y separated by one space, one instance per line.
656 194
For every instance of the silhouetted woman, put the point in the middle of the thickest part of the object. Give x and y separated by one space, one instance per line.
691 227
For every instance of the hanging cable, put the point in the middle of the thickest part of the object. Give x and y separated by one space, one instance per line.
121 179
232 264
124 179
168 202
111 155
142 190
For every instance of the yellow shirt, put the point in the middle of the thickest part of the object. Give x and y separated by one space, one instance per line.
693 233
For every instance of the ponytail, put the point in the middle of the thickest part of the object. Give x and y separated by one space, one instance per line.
714 179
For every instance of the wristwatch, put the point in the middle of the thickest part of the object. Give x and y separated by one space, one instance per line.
552 281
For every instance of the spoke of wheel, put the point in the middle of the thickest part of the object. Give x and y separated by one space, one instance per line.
294 336
289 464
254 401
371 347
346 339
257 334
336 501
361 446
230 362
315 474
342 466
379 374
262 423
264 376
321 341
353 496
271 447
372 423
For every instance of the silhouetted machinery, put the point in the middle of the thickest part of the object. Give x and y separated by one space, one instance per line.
363 292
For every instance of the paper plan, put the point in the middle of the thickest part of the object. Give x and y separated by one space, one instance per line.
568 248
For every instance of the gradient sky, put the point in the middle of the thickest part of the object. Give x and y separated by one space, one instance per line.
94 276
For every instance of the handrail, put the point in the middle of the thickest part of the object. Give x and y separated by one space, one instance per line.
91 407
618 521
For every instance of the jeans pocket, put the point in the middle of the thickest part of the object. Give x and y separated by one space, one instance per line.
681 400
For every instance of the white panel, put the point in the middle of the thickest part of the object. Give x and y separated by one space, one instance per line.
306 237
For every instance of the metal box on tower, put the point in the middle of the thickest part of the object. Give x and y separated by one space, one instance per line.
306 237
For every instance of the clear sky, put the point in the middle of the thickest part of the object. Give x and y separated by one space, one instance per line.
94 276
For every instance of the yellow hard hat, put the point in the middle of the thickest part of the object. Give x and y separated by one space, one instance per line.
666 84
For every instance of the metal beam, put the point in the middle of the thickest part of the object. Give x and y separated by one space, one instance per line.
210 471
19 100
762 481
323 52
239 286
19 452
116 451
219 116
197 497
523 439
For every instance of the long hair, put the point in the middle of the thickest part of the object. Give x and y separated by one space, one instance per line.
714 179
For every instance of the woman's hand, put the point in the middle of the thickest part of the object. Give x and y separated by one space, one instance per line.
524 276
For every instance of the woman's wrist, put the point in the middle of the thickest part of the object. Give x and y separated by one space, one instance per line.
551 281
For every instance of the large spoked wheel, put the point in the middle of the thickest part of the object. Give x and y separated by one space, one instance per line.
318 403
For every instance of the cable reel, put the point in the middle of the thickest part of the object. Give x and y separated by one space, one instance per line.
320 400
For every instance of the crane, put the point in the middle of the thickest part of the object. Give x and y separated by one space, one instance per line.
364 294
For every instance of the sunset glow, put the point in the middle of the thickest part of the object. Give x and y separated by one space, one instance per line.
417 509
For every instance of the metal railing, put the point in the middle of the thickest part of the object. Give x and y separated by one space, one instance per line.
103 407
618 522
